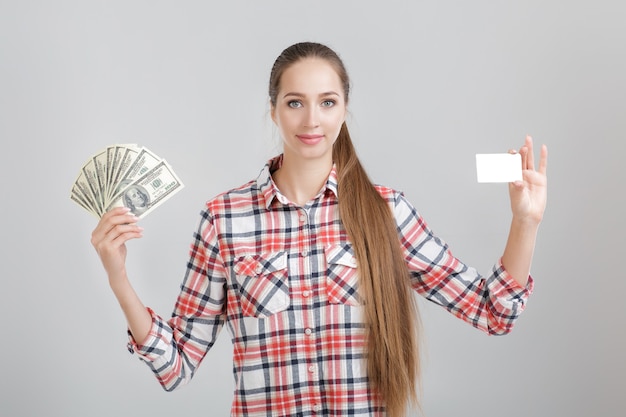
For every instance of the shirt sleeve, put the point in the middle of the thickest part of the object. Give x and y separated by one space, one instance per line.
174 348
492 303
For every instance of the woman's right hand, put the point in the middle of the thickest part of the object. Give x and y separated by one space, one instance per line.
114 229
109 238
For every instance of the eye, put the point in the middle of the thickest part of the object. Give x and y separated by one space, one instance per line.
294 104
328 103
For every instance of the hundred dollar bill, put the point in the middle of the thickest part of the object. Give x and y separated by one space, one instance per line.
80 194
149 191
100 167
78 197
87 183
142 161
123 157
113 156
110 166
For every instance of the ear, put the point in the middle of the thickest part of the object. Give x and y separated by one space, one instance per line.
273 113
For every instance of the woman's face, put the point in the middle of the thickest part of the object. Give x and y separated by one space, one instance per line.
310 109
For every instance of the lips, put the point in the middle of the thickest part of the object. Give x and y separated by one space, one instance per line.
310 139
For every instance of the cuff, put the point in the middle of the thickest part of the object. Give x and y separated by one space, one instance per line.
155 343
504 282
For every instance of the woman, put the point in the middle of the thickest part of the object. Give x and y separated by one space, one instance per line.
311 268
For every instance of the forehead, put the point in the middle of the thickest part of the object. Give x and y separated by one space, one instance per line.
310 76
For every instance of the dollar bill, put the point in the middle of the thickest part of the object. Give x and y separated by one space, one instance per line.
123 158
124 175
135 163
79 199
87 183
149 191
100 168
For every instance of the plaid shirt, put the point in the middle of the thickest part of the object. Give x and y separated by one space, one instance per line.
283 278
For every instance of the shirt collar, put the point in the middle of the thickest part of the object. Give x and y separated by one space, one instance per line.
268 189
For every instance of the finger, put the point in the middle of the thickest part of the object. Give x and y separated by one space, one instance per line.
119 215
111 219
123 233
530 160
116 237
523 151
115 213
543 160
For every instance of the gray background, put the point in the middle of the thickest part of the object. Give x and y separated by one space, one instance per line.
434 82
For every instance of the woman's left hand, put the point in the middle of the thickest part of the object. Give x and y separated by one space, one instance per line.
529 196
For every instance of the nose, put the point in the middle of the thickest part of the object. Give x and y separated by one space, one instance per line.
312 117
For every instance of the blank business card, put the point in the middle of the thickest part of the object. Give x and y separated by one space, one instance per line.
498 167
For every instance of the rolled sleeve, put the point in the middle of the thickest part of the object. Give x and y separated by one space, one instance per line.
155 344
507 298
490 303
174 348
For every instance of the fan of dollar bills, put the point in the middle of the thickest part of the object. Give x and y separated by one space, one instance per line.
124 175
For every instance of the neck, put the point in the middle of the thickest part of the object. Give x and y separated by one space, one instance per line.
300 181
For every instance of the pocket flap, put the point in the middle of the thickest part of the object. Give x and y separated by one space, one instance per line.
342 255
260 264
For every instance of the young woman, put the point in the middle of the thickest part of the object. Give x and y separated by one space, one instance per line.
312 268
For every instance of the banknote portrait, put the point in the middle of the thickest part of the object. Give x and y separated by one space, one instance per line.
137 199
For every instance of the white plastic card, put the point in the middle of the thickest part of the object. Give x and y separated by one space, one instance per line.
498 167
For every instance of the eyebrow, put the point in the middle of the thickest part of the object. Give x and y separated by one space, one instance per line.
295 94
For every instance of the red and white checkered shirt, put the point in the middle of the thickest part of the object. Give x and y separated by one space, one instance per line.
283 279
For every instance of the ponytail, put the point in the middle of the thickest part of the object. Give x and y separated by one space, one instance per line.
390 308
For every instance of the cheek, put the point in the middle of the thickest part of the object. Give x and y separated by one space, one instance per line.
284 120
336 123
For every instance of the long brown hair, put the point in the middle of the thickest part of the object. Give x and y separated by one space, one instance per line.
390 309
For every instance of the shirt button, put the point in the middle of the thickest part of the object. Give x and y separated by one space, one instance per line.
304 254
308 332
258 269
312 368
303 218
317 408
306 293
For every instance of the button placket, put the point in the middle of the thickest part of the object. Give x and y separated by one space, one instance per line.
307 263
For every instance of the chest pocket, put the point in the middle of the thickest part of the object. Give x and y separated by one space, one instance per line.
342 276
263 283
